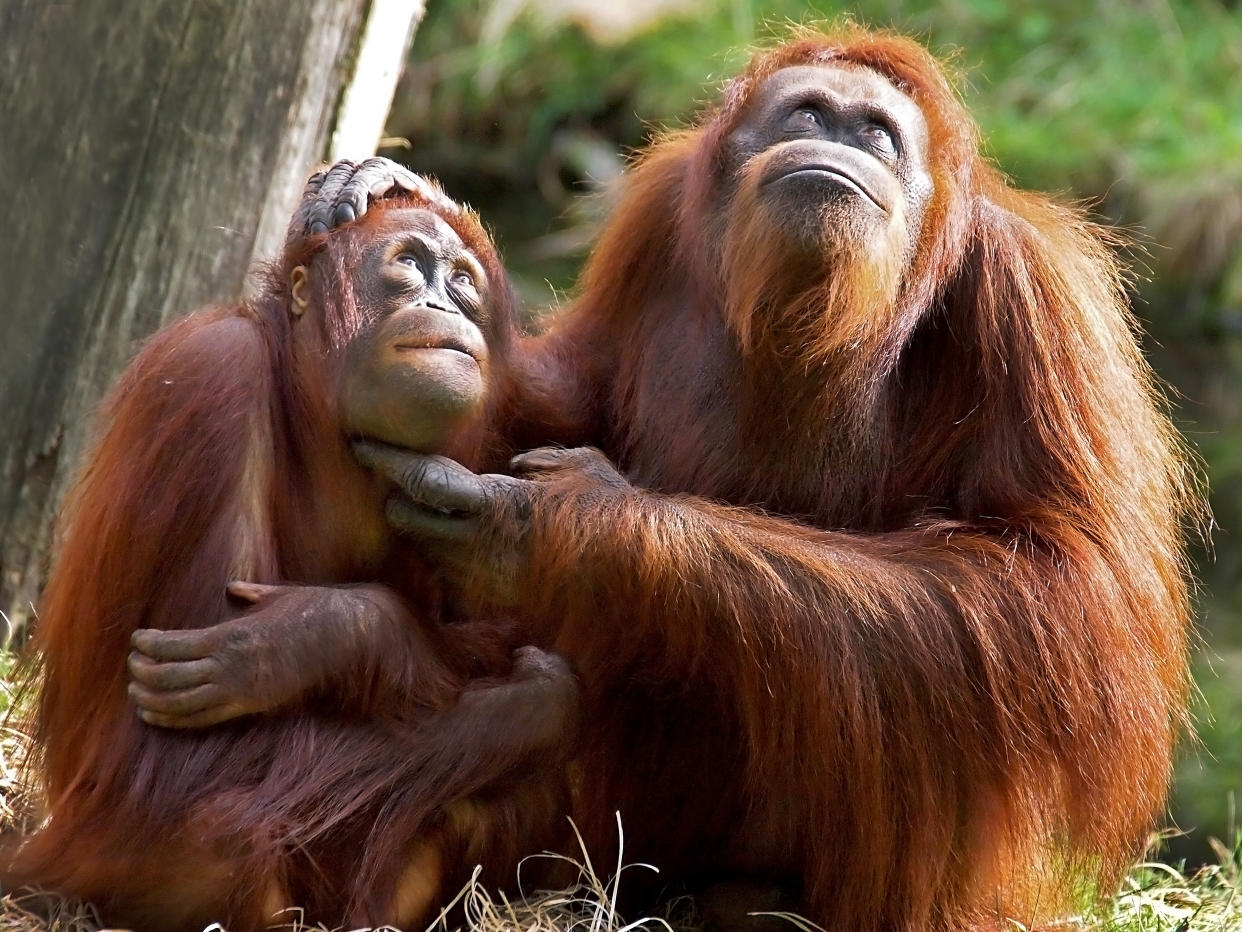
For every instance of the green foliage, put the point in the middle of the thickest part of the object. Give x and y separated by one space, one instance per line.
1208 776
1081 95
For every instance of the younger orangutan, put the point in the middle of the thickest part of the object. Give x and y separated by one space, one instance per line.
225 454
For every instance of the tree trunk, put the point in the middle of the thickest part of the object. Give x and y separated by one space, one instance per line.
150 151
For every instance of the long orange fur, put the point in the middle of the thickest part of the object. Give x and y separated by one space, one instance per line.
220 457
898 609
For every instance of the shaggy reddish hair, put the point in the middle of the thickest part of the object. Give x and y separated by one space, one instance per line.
904 611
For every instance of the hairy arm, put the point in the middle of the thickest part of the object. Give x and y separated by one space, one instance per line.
555 391
166 510
354 648
892 655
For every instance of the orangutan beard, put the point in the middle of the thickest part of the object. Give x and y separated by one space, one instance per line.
812 293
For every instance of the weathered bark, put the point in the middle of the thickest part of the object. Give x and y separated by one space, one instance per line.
150 151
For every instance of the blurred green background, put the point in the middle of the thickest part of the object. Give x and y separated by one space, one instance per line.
527 109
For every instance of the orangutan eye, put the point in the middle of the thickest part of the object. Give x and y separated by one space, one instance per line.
879 139
804 119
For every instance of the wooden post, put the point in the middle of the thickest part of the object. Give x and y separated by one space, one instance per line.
150 151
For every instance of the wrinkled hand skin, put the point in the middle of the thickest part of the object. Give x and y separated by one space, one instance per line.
476 527
267 658
342 193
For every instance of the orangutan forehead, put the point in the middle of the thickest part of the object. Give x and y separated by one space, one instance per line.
394 222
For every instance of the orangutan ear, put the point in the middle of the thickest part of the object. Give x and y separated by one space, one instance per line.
297 287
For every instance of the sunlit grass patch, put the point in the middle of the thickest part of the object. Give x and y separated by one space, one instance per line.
1159 898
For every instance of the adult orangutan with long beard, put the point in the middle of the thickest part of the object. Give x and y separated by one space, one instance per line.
885 597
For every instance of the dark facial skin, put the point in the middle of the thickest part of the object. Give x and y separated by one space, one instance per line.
835 151
418 370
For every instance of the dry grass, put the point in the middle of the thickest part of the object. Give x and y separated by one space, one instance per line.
34 912
588 907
